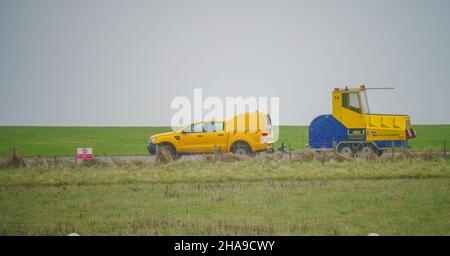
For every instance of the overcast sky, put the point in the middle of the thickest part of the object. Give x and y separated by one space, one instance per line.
122 62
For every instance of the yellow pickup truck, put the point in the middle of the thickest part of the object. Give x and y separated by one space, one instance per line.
246 133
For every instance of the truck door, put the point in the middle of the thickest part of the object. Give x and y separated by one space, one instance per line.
192 139
215 136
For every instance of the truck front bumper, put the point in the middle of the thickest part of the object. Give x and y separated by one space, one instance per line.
151 148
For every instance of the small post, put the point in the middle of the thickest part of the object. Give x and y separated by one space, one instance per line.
404 151
215 153
445 148
290 152
334 146
393 150
157 153
306 139
303 139
324 158
16 160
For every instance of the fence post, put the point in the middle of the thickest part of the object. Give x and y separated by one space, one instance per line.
215 153
290 152
334 146
393 149
445 148
324 158
157 153
303 139
404 151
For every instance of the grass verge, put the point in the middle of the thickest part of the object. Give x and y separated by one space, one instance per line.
253 197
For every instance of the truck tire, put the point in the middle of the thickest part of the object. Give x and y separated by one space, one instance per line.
241 148
366 149
380 152
172 150
346 149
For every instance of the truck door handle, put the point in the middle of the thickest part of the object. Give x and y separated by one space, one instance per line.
199 136
221 134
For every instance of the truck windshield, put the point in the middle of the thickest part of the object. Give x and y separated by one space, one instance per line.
364 103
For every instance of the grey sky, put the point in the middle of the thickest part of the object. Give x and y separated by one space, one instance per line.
122 62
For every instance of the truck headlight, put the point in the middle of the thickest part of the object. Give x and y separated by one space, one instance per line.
151 140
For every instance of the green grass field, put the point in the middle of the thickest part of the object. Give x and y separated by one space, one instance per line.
255 197
63 141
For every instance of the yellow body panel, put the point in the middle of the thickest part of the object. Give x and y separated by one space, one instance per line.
348 118
386 127
248 127
351 119
215 139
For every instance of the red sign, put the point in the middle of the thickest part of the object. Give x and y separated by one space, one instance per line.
84 153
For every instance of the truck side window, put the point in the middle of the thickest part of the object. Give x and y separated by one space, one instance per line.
188 129
197 127
209 127
194 128
213 126
218 126
350 101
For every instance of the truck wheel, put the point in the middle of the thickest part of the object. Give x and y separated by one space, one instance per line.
171 149
366 150
346 150
380 152
241 148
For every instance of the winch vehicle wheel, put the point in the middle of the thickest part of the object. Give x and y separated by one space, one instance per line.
380 152
349 149
366 149
346 149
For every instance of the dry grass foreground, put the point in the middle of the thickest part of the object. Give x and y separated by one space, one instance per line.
230 195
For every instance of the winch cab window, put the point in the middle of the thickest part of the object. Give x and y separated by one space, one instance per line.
351 101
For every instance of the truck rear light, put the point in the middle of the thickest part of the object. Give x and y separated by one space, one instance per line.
264 133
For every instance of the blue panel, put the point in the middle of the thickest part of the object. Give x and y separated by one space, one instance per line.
388 143
325 129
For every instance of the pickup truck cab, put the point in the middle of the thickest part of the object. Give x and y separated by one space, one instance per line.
246 133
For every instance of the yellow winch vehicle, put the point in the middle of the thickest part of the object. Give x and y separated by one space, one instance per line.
353 129
246 133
